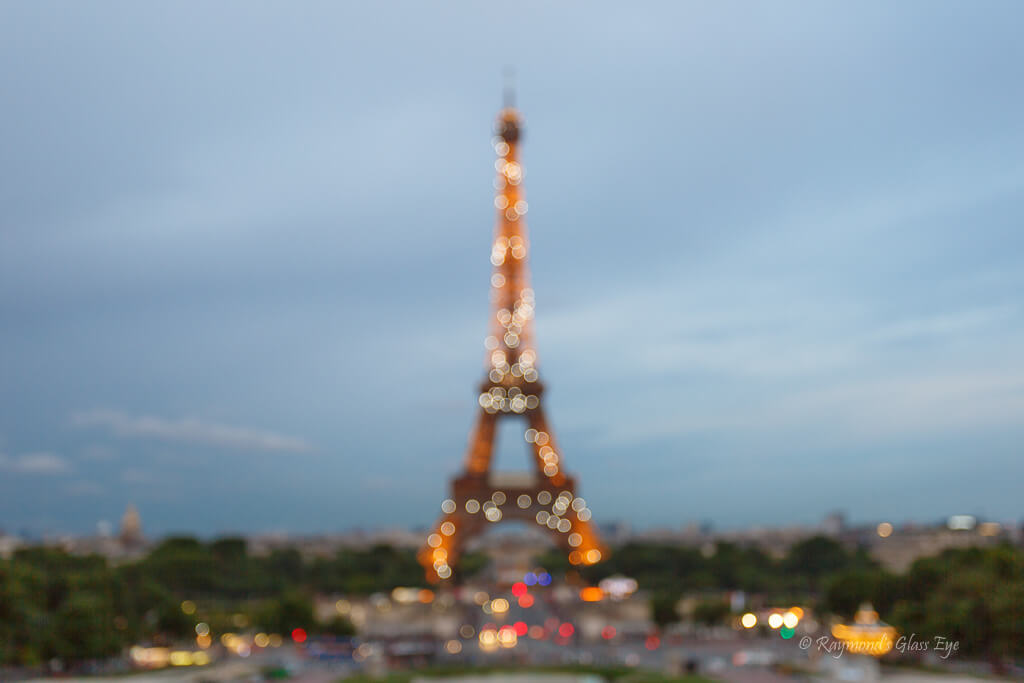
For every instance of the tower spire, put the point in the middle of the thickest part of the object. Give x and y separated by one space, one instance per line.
509 89
547 494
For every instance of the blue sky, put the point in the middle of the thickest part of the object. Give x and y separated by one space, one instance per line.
244 258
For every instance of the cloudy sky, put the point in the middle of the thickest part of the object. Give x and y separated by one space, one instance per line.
777 250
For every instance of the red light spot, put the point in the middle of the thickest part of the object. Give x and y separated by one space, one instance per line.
652 642
299 635
608 632
526 601
521 628
518 588
566 630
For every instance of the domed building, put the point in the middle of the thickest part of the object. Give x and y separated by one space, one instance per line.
131 529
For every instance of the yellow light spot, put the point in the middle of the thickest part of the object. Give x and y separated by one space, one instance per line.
488 640
749 620
866 616
508 637
181 658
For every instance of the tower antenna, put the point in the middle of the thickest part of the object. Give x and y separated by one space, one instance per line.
509 91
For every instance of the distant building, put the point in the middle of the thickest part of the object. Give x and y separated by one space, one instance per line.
896 549
131 529
834 524
617 533
8 544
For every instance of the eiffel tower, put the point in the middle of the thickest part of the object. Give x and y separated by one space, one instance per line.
545 496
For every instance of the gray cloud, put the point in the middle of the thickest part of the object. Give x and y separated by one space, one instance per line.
35 463
189 430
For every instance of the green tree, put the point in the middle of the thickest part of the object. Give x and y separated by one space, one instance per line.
663 609
711 611
847 590
84 629
816 557
284 614
974 596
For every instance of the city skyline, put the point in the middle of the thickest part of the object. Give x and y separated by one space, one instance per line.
775 257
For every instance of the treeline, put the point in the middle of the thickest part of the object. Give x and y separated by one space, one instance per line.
73 608
224 568
673 569
974 596
55 605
